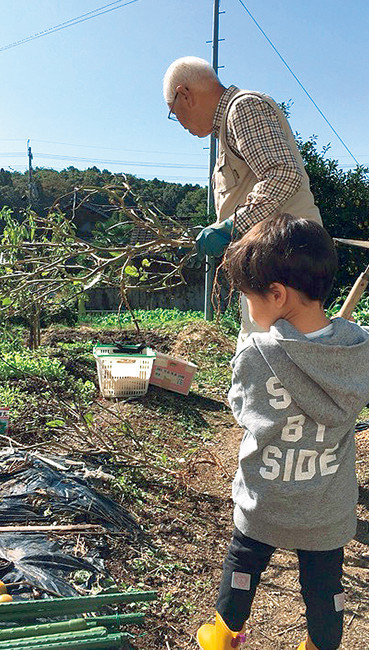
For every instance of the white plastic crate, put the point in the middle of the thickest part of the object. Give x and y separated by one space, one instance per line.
121 374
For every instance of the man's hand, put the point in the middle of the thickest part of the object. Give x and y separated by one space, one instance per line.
214 239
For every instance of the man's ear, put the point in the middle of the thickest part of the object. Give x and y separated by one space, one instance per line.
279 293
186 94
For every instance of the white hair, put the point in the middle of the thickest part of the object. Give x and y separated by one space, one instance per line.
188 70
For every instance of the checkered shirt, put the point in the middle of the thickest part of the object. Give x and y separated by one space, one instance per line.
254 134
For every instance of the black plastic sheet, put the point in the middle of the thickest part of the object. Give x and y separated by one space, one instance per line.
35 561
33 490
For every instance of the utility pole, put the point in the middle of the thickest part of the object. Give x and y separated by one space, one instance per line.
210 261
30 179
34 313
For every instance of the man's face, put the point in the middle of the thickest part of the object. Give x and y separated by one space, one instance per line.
190 115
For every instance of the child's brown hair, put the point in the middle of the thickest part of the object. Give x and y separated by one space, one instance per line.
295 252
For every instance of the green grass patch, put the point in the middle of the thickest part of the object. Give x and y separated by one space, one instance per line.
14 398
147 318
76 349
30 378
15 364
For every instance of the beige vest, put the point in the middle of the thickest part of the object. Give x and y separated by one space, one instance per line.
233 179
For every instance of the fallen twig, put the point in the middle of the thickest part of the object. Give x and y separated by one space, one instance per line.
291 627
73 528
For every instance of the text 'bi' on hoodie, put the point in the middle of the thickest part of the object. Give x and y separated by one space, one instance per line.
297 400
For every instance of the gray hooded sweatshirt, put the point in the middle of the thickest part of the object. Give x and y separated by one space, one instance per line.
297 400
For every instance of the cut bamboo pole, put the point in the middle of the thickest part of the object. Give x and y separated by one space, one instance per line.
355 294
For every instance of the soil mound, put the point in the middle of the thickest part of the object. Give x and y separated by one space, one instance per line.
202 336
54 335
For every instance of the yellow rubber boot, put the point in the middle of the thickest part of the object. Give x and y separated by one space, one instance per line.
307 645
218 636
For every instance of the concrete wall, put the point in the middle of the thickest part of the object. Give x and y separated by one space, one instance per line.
185 297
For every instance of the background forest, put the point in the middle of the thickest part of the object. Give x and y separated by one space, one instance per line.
342 196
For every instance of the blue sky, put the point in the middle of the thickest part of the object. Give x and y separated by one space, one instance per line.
92 93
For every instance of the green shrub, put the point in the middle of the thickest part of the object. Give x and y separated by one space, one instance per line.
361 312
14 398
16 364
83 391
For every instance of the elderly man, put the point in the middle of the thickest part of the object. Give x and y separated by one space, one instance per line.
259 171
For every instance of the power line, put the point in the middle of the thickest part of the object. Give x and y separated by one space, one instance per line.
298 81
69 23
119 162
50 156
90 146
11 153
167 153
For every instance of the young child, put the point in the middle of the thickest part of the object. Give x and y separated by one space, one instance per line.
297 389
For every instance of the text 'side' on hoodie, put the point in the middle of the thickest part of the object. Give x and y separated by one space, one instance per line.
297 400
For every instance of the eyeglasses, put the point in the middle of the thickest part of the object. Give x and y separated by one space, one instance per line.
172 116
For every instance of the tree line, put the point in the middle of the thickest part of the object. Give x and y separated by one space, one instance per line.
342 196
48 185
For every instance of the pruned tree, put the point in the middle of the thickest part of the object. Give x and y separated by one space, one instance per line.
43 264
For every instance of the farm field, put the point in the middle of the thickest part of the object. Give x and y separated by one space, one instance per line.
171 460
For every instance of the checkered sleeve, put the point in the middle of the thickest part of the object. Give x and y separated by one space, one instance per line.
255 134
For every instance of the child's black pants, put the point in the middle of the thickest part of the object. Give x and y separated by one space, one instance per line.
320 579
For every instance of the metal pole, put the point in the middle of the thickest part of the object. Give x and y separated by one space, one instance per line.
30 156
210 261
25 609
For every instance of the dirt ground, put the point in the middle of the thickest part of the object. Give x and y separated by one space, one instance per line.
196 532
193 529
187 528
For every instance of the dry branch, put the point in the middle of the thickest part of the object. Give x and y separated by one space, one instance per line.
43 262
75 528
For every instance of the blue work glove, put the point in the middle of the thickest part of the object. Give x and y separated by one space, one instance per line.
214 239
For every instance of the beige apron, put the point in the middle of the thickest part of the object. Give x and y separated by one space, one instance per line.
233 180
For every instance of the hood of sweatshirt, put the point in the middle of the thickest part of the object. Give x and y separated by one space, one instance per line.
327 377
